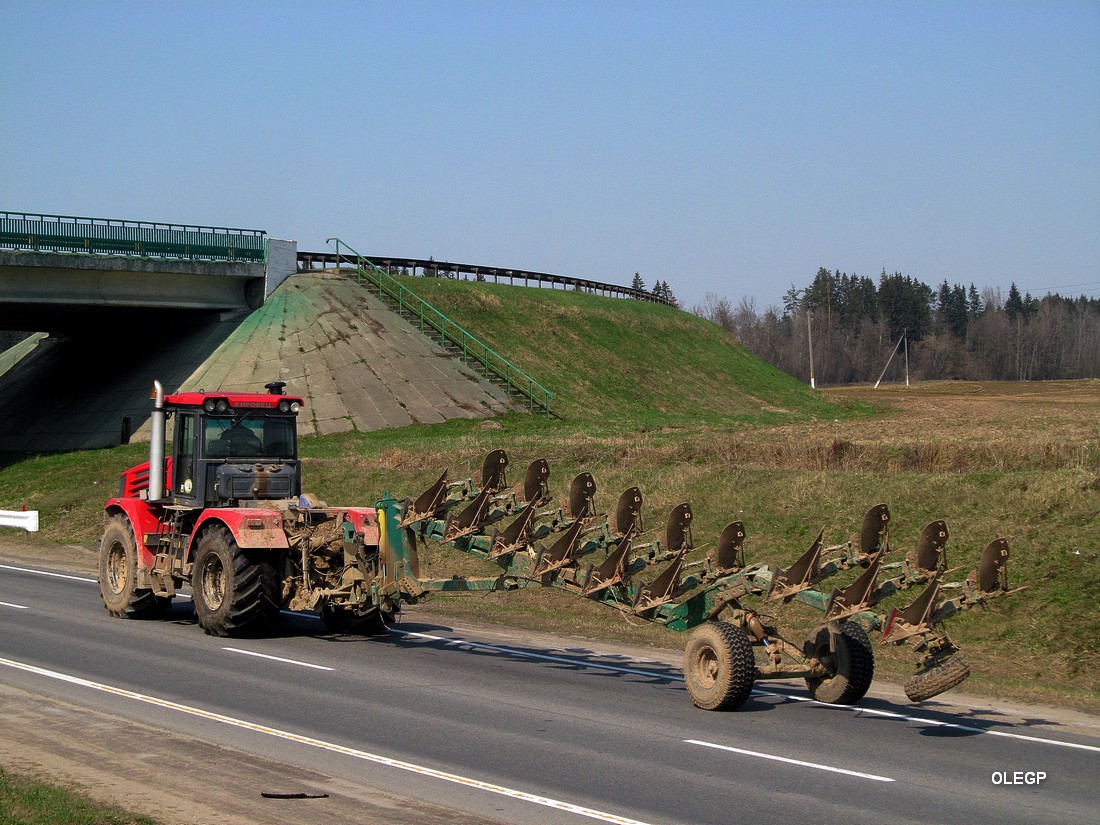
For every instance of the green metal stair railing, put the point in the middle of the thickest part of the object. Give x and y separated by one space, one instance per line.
517 382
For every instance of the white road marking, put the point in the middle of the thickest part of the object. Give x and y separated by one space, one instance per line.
275 658
48 573
799 762
936 723
16 606
918 720
434 773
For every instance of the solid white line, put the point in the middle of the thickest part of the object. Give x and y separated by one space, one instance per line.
775 758
924 720
918 720
16 606
48 573
276 658
523 796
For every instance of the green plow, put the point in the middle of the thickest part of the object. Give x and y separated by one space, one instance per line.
610 558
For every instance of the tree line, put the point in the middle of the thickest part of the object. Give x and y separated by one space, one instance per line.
951 332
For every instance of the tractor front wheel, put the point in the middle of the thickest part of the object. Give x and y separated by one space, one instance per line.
719 668
118 574
849 664
235 590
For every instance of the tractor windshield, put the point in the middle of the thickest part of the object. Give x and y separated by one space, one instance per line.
252 435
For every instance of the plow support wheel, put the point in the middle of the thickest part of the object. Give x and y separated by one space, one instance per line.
848 660
718 666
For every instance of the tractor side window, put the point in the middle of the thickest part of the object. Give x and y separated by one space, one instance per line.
183 468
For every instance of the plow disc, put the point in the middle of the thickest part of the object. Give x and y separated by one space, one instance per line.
731 645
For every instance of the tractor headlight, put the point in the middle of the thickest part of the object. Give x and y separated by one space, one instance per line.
295 406
208 405
284 406
222 405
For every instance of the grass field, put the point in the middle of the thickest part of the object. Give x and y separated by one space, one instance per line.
28 801
670 403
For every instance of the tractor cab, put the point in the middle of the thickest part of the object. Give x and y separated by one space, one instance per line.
229 448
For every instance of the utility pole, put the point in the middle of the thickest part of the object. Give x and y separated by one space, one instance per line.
810 338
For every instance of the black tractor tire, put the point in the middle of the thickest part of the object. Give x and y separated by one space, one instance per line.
935 680
118 574
719 667
851 666
345 622
236 591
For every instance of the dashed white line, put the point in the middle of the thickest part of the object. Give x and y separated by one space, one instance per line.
16 606
524 796
276 658
788 761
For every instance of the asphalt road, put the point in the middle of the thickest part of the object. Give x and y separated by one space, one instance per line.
522 733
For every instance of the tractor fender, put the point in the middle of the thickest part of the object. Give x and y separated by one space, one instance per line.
143 520
251 527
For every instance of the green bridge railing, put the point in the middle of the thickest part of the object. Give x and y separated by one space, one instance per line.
64 233
517 382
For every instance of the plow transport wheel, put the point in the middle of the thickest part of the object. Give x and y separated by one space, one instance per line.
935 680
719 668
851 666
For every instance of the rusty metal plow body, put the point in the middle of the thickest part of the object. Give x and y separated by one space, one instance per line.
799 576
858 596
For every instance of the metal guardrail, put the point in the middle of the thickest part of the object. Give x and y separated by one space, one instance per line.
23 519
516 380
110 236
306 260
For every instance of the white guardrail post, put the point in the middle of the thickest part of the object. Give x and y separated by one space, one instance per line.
27 519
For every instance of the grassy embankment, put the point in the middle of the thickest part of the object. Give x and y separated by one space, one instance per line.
651 396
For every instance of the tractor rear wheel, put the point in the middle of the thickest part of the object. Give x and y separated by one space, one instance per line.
719 668
850 667
235 591
118 574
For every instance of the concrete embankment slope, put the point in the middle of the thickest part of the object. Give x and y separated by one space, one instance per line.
357 363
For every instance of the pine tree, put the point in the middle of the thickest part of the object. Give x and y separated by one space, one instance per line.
638 283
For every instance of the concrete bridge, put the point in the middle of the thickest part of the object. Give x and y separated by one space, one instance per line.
76 276
115 306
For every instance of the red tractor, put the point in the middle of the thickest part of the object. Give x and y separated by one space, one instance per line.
225 512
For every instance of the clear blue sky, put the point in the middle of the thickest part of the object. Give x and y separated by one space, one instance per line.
726 147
